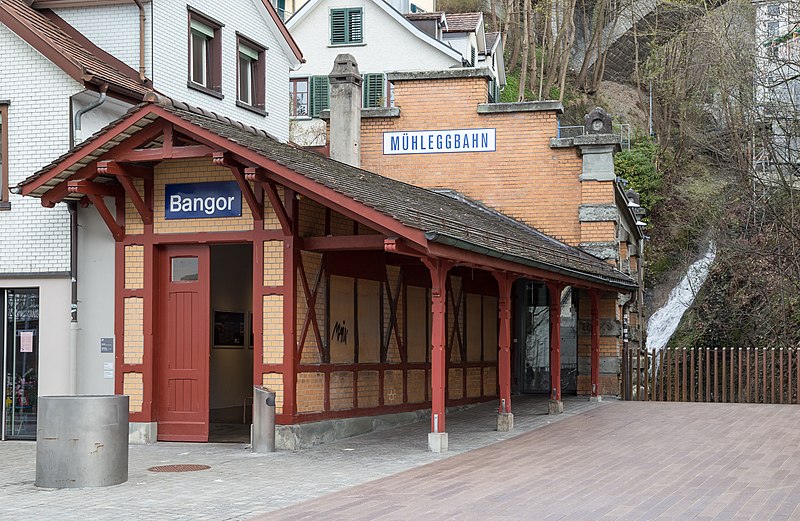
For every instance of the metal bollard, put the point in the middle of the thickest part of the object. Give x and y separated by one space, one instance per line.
82 441
263 419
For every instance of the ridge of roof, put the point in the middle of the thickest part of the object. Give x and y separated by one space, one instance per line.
79 59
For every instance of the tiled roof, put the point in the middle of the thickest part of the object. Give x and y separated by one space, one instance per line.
76 59
442 217
462 22
491 39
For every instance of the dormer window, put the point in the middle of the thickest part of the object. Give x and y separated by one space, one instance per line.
347 26
205 56
251 75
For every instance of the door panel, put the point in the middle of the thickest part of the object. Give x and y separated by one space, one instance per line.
182 356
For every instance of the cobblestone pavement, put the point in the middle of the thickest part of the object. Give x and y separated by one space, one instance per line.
241 484
629 461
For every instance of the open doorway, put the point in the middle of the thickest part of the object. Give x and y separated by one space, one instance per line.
231 360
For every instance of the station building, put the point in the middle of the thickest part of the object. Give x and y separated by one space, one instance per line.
241 260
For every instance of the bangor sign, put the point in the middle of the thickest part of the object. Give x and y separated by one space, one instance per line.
439 141
202 200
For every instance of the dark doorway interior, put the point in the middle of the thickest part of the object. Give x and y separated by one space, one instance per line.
19 345
231 363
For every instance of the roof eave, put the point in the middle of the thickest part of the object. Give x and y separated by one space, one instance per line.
469 246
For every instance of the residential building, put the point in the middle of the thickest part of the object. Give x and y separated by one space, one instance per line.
383 38
70 68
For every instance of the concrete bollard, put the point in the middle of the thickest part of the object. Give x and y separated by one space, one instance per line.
82 441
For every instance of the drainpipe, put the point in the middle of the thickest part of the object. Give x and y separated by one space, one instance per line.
142 76
72 206
90 107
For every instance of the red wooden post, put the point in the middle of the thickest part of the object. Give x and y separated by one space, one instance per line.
556 406
594 296
505 419
437 440
290 358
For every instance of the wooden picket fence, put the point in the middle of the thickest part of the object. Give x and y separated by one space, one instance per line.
723 375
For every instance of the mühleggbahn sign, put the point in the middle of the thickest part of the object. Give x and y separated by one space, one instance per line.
439 141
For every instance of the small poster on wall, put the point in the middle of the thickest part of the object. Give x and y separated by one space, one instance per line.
229 328
26 341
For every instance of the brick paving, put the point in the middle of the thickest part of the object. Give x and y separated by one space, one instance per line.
629 461
241 484
616 460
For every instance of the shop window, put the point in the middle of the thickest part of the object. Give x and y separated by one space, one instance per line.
4 202
299 97
251 74
347 26
20 349
205 54
320 94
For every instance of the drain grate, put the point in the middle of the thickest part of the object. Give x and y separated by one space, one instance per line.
178 468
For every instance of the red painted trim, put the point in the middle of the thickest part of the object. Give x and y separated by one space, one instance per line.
119 311
145 211
151 307
256 207
86 187
344 243
258 295
278 208
284 31
554 291
290 257
117 231
146 155
505 282
594 297
439 269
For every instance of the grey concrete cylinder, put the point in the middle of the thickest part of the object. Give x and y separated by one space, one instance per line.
82 441
263 419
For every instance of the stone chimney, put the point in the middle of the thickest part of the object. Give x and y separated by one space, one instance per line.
345 124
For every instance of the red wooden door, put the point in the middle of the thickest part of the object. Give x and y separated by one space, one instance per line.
182 353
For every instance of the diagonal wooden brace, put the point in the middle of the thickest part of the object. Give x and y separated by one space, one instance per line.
221 159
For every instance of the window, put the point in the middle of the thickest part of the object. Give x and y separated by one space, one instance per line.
320 94
774 10
374 90
347 26
251 73
205 55
298 106
773 28
4 202
184 269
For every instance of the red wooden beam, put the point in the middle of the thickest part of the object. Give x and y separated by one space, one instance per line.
344 242
145 212
401 247
117 231
112 167
257 209
438 269
86 187
144 155
505 281
594 296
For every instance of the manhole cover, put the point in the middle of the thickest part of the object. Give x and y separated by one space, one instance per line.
178 468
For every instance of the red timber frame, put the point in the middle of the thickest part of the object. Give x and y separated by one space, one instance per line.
258 177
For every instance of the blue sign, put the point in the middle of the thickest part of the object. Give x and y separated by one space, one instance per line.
203 200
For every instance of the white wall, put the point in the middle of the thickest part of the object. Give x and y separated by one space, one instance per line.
171 58
115 29
97 118
95 300
33 239
231 370
388 46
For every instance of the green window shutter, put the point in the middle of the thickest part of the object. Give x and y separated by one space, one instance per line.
320 94
338 26
472 57
355 26
347 26
374 90
492 95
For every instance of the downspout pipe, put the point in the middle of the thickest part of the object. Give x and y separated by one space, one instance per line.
91 106
142 76
72 206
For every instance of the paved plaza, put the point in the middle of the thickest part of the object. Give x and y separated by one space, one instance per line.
615 460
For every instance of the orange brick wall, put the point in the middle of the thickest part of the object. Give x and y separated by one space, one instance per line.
524 178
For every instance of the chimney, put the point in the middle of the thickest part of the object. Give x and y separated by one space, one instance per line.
345 110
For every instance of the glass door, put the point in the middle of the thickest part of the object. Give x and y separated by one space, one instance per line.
20 363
